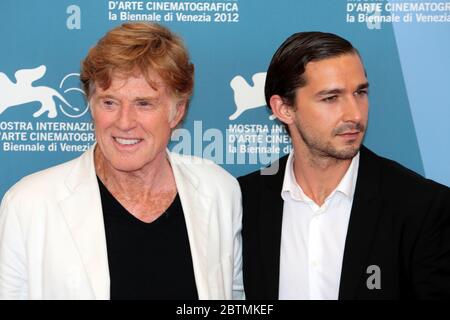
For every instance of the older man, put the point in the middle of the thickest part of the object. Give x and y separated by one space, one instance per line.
127 219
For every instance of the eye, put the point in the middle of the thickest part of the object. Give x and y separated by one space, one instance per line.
143 103
108 103
330 99
362 92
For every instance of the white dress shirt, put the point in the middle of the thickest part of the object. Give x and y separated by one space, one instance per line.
313 237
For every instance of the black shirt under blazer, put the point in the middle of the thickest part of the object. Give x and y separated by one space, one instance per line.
399 222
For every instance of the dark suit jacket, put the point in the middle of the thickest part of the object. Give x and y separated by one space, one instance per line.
399 221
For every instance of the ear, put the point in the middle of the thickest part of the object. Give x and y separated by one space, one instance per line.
91 108
284 112
180 109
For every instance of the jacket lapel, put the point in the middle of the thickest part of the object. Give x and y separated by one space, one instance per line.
362 225
270 224
83 213
197 208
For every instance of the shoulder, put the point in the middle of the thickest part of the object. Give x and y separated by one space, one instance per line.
44 184
210 174
398 179
271 175
250 178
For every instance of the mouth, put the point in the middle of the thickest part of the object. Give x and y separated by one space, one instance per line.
127 142
349 134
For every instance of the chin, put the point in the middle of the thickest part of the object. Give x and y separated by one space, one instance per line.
126 166
347 153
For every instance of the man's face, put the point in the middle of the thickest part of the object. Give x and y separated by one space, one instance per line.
133 121
331 110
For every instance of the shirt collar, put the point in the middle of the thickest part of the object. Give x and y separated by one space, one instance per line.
346 186
348 182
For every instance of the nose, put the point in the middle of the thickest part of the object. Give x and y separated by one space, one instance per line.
126 118
353 109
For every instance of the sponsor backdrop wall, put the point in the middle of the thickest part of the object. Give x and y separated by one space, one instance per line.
44 119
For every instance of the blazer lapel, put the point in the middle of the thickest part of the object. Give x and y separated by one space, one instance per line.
197 211
362 225
83 213
270 224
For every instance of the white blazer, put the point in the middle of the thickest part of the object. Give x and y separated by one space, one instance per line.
52 235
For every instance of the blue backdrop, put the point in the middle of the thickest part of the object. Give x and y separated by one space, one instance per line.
404 44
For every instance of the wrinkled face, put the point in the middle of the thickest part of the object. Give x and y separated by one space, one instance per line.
331 110
133 122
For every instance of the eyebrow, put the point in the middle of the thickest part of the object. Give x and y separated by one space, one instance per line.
109 96
329 91
103 96
363 86
340 90
145 98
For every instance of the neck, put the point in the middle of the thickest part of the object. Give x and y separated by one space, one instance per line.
156 177
317 175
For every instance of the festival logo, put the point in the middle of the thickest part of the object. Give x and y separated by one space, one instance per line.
248 97
15 94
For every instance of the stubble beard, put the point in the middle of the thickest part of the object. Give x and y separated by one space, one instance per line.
321 149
